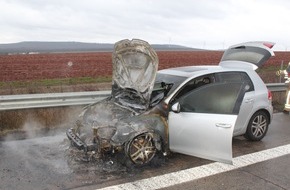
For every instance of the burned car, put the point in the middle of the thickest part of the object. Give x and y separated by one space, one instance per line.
193 110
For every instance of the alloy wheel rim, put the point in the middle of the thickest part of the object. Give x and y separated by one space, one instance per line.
142 149
259 126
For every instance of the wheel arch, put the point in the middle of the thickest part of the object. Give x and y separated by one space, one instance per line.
266 112
252 135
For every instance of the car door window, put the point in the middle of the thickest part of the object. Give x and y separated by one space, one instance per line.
195 84
220 98
235 77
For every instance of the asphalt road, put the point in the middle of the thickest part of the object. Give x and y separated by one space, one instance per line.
48 163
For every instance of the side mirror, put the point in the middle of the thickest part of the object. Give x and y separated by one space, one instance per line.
176 107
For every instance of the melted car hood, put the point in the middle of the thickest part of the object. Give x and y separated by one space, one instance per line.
135 65
105 113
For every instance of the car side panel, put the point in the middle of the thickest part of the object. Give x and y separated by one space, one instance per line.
260 102
245 113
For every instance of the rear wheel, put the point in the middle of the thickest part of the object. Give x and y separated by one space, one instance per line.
258 126
141 149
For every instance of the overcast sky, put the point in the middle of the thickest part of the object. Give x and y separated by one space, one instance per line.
211 24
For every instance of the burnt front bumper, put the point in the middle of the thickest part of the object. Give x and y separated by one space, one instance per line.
75 140
79 143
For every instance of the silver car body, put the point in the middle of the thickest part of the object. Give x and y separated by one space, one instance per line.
165 120
210 135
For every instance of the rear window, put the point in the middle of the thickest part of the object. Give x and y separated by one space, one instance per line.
251 57
254 55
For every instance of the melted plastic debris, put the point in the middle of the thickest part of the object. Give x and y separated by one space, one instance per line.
78 161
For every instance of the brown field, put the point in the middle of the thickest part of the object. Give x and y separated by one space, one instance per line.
71 65
23 73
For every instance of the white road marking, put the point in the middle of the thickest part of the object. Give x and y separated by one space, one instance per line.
187 175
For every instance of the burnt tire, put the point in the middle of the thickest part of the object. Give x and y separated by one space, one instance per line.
141 149
258 126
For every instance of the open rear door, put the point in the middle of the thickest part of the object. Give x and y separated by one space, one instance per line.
251 54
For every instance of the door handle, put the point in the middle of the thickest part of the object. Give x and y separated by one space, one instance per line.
223 125
250 100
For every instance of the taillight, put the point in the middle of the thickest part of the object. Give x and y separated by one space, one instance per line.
268 44
269 95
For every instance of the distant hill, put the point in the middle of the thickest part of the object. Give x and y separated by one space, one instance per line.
58 47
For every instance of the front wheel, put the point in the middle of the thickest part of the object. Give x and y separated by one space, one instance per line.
258 126
141 149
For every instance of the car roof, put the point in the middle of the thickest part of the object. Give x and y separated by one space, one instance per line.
189 71
241 57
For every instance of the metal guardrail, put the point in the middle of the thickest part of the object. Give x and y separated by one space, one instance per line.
14 102
276 87
24 101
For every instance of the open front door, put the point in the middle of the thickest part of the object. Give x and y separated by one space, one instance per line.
202 121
